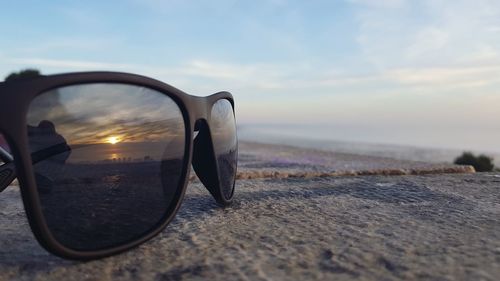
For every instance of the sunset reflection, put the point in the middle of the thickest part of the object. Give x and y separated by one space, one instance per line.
115 156
113 140
127 123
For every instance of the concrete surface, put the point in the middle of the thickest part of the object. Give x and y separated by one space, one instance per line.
375 227
434 227
258 160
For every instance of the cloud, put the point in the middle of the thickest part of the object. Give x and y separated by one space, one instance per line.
486 74
427 32
294 79
91 113
427 40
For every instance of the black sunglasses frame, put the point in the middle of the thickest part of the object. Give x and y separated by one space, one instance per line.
15 98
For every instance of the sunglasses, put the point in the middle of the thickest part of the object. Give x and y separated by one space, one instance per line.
103 158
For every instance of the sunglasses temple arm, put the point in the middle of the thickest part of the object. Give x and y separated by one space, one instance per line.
8 171
48 152
7 175
5 155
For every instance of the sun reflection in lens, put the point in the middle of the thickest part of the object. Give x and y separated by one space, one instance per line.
113 140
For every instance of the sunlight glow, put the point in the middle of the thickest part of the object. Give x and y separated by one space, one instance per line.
113 140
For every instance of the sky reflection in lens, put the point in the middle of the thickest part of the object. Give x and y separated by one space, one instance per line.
112 114
95 112
223 129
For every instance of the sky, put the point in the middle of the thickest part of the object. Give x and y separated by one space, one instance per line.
423 72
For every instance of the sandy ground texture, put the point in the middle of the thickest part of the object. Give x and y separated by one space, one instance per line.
258 160
432 227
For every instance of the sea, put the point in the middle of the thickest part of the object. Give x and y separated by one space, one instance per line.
345 141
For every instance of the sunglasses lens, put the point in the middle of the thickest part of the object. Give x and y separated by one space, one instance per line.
223 129
108 160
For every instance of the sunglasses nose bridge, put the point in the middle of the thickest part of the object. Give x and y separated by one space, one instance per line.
200 109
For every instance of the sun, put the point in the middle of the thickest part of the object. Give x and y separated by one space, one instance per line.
113 140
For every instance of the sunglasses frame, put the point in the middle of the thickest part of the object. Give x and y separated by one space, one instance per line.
16 96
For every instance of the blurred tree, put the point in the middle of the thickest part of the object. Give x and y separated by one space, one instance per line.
23 74
481 163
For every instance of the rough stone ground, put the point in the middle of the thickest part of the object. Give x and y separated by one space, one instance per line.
427 227
258 160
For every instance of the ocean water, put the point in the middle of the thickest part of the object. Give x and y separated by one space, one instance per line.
348 140
126 152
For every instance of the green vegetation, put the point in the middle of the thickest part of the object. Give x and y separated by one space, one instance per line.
23 74
481 163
